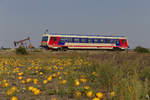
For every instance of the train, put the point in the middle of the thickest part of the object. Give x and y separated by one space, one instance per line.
59 41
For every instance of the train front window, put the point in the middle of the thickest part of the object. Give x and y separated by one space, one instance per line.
123 41
52 38
45 38
55 39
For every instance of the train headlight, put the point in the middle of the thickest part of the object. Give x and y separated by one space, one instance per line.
43 43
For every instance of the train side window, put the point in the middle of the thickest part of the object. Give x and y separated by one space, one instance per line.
83 40
114 41
101 40
96 40
90 41
107 41
76 40
69 40
62 39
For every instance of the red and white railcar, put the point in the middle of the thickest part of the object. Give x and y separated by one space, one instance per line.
80 41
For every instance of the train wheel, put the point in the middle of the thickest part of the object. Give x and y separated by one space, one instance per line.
65 48
117 49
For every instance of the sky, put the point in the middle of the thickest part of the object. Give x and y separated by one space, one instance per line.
22 18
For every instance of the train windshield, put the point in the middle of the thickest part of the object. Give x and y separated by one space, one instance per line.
45 38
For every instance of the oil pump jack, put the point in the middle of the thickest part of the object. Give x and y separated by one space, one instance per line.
23 43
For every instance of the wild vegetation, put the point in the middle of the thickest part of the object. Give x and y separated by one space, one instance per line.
21 50
75 75
140 49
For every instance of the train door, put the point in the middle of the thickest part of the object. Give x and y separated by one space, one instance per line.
117 42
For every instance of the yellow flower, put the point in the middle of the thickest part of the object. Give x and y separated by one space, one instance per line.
56 67
14 88
61 68
36 67
77 83
28 80
4 81
45 82
8 73
14 98
20 74
95 74
60 77
34 89
95 98
89 94
49 78
30 88
58 73
54 75
11 90
83 80
86 87
77 94
65 73
20 78
99 95
112 93
41 73
6 85
35 81
64 81
53 99
22 81
37 91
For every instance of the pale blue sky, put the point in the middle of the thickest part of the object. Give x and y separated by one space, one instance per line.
22 18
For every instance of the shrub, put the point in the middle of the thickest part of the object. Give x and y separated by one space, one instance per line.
140 49
21 50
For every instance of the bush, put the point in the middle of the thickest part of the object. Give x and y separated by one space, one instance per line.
140 49
21 50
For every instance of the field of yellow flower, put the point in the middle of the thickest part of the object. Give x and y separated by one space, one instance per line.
74 76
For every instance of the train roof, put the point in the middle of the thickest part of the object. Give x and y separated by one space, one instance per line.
87 35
